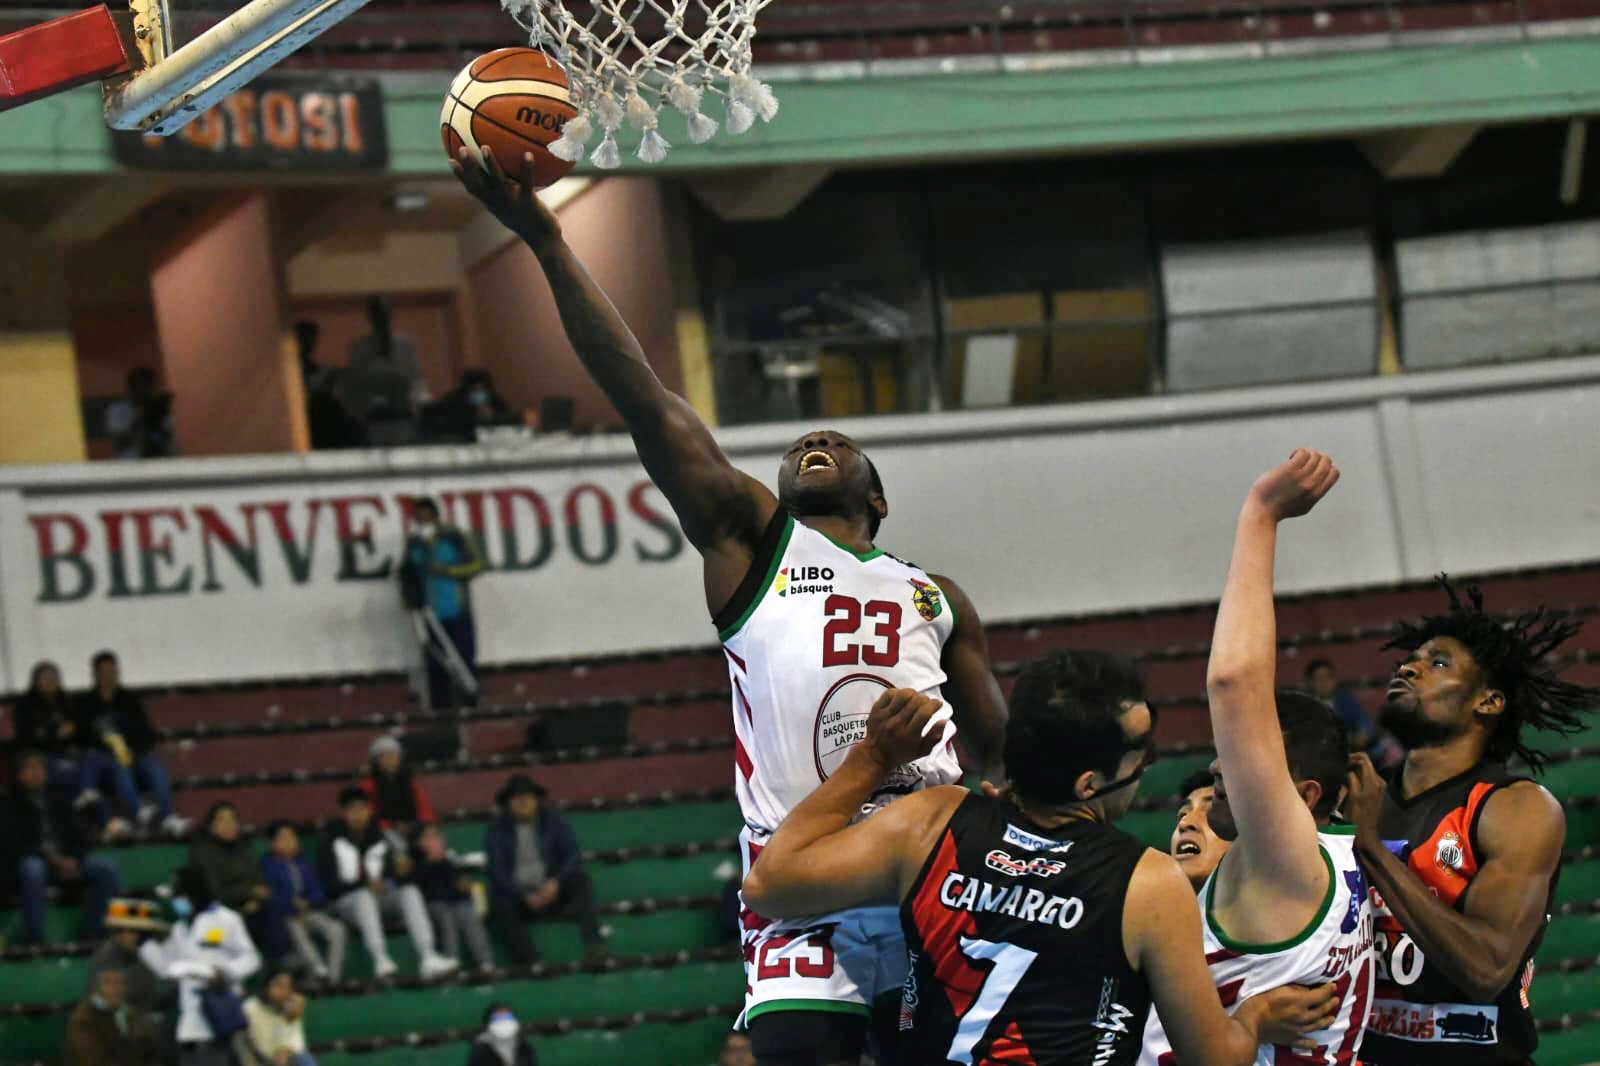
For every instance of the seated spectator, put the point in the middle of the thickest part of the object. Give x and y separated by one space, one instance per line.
1359 726
736 1050
473 404
535 872
128 923
398 800
105 1031
295 908
278 1022
45 841
45 723
448 893
210 954
229 862
113 719
502 1042
360 872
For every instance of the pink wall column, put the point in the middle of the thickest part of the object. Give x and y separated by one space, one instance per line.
219 304
618 230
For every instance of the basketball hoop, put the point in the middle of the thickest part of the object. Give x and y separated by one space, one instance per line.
629 59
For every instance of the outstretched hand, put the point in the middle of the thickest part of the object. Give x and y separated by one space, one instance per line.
904 725
1284 1015
1294 487
514 201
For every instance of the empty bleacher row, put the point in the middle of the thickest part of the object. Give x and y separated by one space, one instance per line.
656 816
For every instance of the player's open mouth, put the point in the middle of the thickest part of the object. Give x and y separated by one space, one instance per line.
1399 685
1187 847
817 461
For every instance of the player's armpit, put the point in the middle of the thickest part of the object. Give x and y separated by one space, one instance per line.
1161 934
1480 946
975 698
874 860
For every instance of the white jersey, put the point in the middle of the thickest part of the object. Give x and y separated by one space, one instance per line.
1335 946
812 647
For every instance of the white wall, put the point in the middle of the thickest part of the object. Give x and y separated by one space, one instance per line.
1036 512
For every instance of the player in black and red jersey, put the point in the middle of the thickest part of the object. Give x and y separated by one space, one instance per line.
1038 932
1462 852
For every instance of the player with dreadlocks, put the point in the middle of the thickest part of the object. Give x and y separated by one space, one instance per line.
1462 852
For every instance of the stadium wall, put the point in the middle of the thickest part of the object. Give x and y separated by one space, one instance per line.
233 568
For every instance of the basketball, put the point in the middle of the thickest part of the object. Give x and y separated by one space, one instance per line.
514 101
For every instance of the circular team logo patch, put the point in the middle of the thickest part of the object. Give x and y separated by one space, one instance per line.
842 719
1449 855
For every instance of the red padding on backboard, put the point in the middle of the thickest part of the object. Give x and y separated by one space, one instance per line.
56 55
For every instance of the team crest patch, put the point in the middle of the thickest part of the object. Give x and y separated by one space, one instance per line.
780 585
1449 855
927 599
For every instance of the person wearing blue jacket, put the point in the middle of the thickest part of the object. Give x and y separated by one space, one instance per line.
439 562
295 909
536 872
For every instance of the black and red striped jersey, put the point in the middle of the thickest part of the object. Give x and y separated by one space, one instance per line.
1015 941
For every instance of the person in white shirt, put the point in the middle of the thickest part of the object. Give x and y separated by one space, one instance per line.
278 1022
207 947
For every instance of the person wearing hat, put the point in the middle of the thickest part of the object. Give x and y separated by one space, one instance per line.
360 873
398 800
128 923
535 871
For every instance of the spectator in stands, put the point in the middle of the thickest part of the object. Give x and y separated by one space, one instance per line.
736 1050
210 954
471 405
229 862
535 871
502 1042
105 1030
45 841
1363 730
295 909
140 423
360 872
278 1022
45 723
448 893
398 800
128 922
439 562
385 351
113 718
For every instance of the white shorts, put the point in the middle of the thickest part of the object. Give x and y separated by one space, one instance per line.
841 962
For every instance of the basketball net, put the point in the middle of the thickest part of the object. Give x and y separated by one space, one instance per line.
628 60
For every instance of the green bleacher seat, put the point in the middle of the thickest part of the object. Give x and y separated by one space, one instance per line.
1152 827
1555 994
1583 826
1167 773
1580 882
1575 777
1574 1047
32 1039
1572 936
1589 737
692 875
692 1043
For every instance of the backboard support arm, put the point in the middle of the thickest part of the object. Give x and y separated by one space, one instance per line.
183 83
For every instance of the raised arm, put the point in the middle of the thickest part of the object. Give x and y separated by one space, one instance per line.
975 697
1480 946
715 503
818 862
1277 833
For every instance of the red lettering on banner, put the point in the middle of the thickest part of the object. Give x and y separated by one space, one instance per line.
356 534
663 524
317 115
296 557
155 548
53 557
111 521
280 121
350 114
608 525
213 530
511 559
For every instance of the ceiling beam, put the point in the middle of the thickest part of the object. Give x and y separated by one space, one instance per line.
103 207
760 193
1417 153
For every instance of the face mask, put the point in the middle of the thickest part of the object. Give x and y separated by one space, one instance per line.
503 1028
478 397
427 530
182 907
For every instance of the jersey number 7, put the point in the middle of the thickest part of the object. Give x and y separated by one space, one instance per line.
845 615
1010 963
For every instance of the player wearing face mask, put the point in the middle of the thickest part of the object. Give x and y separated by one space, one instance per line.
502 1042
440 560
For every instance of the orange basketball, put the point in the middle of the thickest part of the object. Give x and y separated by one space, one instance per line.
515 101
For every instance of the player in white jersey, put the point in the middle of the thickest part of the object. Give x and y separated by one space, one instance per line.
816 622
1288 903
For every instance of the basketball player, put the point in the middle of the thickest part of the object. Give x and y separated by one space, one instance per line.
816 623
1462 853
1039 932
1194 845
1287 904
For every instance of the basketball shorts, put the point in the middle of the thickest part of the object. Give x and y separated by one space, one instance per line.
840 962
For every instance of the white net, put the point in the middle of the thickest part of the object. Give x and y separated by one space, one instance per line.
629 60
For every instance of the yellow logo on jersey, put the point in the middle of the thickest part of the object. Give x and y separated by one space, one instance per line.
782 583
927 599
